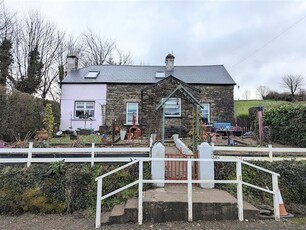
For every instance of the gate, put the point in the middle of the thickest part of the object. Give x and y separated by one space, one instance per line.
177 170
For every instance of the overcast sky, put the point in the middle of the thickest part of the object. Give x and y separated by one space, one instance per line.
258 42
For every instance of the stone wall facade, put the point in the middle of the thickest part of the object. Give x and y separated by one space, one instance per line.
148 96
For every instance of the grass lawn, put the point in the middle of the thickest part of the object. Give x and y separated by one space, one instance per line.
242 107
84 139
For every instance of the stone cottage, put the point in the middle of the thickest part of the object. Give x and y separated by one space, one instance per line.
96 96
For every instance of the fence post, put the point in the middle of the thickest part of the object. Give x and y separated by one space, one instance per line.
30 154
275 197
92 154
98 204
140 185
189 192
206 169
239 190
270 152
158 167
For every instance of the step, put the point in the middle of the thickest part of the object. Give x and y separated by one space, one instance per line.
250 211
117 214
105 217
171 204
131 210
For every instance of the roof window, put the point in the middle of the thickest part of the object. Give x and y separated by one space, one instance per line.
92 75
160 74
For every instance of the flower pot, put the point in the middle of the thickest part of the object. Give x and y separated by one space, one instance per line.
122 134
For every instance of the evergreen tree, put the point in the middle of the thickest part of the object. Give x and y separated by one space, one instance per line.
34 72
6 59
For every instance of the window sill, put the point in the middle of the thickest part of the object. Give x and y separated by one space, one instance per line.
79 119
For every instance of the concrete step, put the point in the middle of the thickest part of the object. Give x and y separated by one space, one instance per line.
131 210
105 218
117 214
170 204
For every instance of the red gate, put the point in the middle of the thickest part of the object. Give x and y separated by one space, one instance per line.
177 170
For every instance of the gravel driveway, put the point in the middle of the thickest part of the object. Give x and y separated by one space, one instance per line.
48 222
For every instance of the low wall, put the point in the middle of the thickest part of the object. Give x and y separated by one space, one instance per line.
181 145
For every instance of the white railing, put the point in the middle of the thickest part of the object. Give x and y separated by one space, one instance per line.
91 152
269 150
239 181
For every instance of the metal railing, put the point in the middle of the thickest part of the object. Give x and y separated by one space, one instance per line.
239 181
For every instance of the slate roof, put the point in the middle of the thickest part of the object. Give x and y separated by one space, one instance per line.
132 74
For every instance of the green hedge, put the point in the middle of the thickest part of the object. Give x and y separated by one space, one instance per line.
61 188
21 113
288 124
292 180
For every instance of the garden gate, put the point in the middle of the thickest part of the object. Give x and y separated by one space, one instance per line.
177 170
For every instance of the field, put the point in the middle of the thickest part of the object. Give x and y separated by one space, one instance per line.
241 107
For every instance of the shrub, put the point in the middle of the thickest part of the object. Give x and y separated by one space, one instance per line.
21 113
291 181
62 188
288 124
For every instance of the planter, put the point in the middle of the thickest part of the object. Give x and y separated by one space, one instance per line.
122 134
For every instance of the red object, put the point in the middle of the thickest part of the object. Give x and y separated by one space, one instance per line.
134 130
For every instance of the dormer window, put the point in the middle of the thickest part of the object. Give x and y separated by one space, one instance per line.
92 75
160 74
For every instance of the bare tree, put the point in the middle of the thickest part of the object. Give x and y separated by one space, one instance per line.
35 31
262 91
293 83
7 23
100 51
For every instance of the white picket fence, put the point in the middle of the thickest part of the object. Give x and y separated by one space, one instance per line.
270 151
36 155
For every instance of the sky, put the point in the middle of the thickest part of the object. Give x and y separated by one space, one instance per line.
258 42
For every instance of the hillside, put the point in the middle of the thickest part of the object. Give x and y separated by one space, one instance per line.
242 106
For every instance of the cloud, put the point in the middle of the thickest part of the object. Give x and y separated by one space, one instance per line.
246 36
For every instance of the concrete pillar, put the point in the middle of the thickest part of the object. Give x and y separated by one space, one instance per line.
206 169
158 167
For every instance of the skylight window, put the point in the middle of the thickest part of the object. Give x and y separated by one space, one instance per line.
92 75
160 74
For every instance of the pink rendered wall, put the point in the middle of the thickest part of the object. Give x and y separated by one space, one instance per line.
81 92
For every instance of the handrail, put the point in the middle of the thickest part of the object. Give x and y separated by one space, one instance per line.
239 181
133 161
260 168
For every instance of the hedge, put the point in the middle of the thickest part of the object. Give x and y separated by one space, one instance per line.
21 113
288 124
292 181
61 188
65 188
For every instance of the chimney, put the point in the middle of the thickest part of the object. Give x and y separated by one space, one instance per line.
72 63
169 62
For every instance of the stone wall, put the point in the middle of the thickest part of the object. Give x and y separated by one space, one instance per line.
221 99
117 97
148 96
151 121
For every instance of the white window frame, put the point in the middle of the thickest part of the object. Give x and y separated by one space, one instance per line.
85 108
206 113
170 102
127 122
